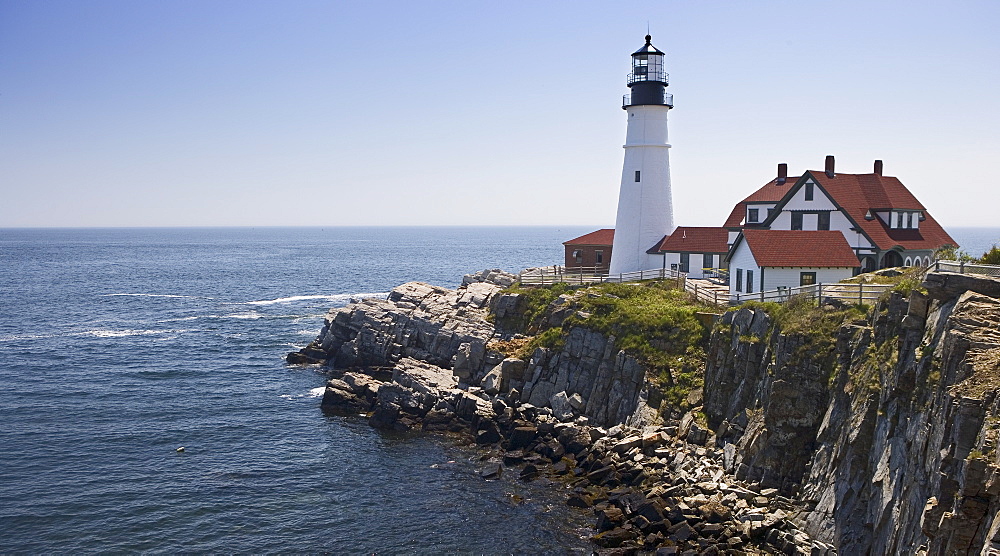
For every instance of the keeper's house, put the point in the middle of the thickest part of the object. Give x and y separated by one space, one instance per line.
798 230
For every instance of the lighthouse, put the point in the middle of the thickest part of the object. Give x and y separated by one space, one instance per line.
645 209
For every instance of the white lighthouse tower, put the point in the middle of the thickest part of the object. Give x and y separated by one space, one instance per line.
645 210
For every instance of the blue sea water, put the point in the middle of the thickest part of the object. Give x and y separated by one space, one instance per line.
119 345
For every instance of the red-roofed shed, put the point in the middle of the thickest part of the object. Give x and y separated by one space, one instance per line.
590 251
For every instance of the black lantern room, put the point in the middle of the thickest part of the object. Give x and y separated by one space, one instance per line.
648 82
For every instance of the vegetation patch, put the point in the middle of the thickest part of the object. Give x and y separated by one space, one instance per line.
534 302
652 321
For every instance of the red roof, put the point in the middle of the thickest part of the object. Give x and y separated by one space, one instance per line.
800 248
600 237
772 192
694 240
859 193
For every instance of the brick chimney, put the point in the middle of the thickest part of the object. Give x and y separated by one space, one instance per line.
829 166
782 173
878 167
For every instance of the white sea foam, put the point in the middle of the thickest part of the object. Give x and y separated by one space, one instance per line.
336 298
105 333
249 315
181 319
149 295
314 393
21 337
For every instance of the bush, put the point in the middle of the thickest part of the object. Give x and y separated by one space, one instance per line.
991 257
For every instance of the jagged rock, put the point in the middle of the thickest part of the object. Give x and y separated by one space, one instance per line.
522 437
561 408
613 538
492 470
299 358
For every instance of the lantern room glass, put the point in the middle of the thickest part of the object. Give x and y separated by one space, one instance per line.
647 67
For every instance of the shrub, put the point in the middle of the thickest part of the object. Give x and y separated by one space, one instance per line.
991 257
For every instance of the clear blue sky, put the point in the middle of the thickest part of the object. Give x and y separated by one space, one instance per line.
189 113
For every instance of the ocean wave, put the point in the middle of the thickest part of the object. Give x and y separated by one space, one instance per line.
336 298
106 333
313 393
248 315
180 319
22 337
153 295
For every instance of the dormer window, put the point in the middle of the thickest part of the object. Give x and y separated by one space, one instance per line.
909 220
753 215
899 220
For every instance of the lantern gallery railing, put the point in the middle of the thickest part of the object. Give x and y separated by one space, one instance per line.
658 76
668 99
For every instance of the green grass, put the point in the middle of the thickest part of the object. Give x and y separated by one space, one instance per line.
535 301
651 321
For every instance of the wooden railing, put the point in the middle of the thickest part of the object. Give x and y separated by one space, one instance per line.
591 275
846 293
963 267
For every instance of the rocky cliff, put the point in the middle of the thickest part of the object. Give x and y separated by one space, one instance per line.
887 433
874 431
452 330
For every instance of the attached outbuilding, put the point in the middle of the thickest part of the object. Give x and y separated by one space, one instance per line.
765 260
698 251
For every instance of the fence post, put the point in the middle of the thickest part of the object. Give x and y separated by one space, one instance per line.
861 288
819 296
961 267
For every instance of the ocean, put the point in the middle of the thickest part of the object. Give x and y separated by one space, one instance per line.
117 346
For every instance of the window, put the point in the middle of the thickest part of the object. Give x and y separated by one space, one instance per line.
637 176
753 215
823 221
749 281
909 220
600 256
685 262
807 278
769 212
707 261
739 279
899 220
796 220
578 255
809 192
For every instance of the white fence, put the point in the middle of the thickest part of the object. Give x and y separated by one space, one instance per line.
963 267
845 293
558 274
